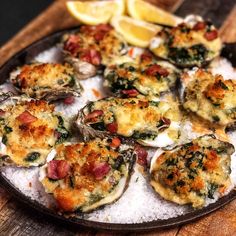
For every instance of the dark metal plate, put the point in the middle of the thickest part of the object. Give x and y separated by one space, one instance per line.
26 56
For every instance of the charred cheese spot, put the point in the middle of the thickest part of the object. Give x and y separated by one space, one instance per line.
95 44
187 45
147 77
211 97
38 80
28 131
98 175
193 172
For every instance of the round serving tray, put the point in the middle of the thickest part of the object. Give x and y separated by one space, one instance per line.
25 56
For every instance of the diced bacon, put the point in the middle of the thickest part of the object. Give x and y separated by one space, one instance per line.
26 118
100 170
72 44
156 69
211 35
2 112
104 27
57 169
199 25
112 127
115 142
141 155
146 56
69 100
93 115
130 93
91 56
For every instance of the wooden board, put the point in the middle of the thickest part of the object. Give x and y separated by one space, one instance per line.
16 219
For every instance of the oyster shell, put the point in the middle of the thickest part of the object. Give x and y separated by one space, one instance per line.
47 81
148 77
151 123
193 172
192 43
91 47
84 182
29 129
209 96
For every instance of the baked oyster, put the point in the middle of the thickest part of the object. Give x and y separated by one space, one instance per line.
29 129
209 96
193 172
151 123
47 81
147 77
84 176
91 47
192 43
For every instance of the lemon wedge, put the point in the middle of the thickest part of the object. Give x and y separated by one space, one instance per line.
95 12
142 10
136 32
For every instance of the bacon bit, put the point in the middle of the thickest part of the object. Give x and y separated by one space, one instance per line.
166 121
91 56
199 25
93 115
101 30
141 155
30 184
96 93
104 27
143 104
156 69
72 44
211 35
101 170
146 56
2 112
130 93
112 127
57 169
131 52
26 118
69 100
115 142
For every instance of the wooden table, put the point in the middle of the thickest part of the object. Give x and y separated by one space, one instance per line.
16 219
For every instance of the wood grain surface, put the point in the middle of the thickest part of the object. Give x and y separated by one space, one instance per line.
16 219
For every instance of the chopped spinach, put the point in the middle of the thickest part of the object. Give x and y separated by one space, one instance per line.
4 139
7 129
33 156
140 135
72 81
63 134
216 118
98 126
211 190
153 103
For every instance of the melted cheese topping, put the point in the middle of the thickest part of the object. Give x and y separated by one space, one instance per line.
211 97
181 44
80 189
108 43
37 79
194 171
28 144
137 117
138 76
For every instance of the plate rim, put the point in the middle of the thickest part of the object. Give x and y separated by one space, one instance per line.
35 48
